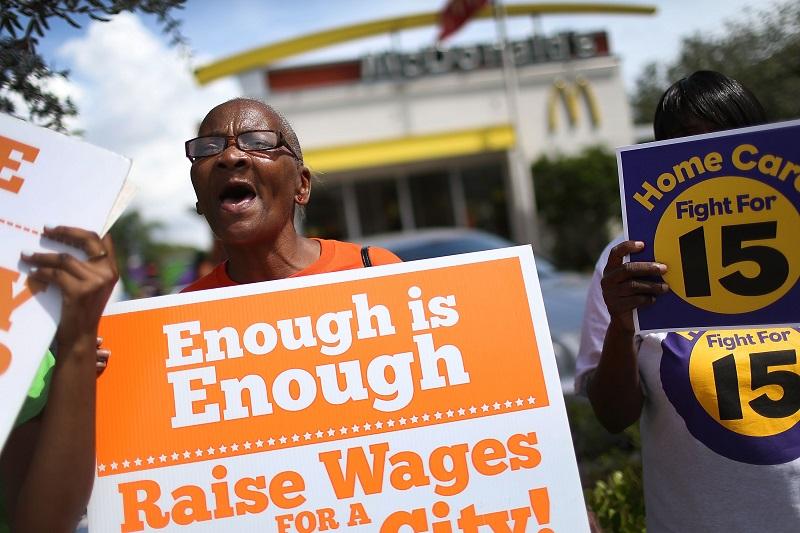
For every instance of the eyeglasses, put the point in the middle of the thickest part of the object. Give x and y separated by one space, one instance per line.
248 141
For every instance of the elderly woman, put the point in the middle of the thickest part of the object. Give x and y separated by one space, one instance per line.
249 177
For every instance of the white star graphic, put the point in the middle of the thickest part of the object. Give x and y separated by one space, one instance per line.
367 426
307 435
126 463
437 415
496 406
402 421
331 432
355 428
508 403
473 409
137 462
414 419
449 413
101 468
426 417
187 454
223 449
234 447
390 423
283 439
378 425
162 458
343 430
461 411
175 456
114 465
198 452
519 402
259 443
319 434
211 450
531 400
151 460
484 408
271 441
295 437
247 445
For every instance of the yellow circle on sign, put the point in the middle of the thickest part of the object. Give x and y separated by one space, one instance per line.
748 380
730 245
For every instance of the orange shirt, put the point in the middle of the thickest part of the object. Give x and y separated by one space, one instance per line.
334 256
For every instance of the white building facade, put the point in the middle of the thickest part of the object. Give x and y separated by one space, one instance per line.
402 141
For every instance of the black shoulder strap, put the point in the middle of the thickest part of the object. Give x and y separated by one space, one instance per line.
365 256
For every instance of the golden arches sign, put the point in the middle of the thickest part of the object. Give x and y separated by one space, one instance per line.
570 95
268 54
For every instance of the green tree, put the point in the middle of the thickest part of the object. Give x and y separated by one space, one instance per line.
761 49
144 262
24 74
577 197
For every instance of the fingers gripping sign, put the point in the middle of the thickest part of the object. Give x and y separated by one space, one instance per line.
85 284
629 285
103 356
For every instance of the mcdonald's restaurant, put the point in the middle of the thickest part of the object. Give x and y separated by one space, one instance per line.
408 140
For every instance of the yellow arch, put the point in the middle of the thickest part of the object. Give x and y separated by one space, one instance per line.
569 95
265 55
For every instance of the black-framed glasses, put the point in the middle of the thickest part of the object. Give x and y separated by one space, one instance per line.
247 141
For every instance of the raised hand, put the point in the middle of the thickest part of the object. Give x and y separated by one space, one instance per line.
624 286
85 284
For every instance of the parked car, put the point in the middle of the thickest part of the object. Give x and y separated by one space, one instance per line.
564 293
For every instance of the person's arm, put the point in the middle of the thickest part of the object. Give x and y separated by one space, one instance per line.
613 388
51 488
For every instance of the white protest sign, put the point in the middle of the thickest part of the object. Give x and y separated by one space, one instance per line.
419 396
46 178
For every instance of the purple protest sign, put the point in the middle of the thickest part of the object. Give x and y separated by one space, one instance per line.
721 211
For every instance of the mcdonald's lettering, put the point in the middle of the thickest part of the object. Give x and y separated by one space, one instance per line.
8 149
570 94
435 60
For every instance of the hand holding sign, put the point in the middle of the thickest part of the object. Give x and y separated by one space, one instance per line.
45 177
625 285
85 285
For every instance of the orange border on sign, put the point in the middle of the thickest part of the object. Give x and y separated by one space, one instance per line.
494 334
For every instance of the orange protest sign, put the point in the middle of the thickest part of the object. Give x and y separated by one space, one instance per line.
384 397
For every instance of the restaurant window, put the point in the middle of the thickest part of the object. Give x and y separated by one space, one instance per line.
485 196
325 217
432 199
378 207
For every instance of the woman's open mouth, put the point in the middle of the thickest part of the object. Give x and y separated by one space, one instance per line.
236 197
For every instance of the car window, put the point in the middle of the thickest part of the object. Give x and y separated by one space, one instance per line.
425 249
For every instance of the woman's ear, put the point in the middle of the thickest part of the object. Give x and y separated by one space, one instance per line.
303 191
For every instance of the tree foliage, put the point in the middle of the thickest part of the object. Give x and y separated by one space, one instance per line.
761 49
147 267
577 198
24 74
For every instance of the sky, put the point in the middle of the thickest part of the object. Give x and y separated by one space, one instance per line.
136 94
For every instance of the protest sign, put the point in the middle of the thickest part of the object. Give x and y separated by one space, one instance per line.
737 391
721 211
418 396
46 178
